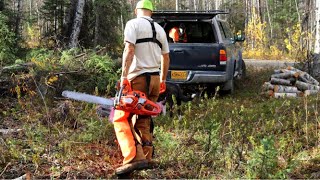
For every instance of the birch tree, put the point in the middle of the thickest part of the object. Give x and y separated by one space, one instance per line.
317 40
190 5
76 28
177 5
306 21
269 19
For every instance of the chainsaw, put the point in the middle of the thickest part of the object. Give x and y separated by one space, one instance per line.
134 102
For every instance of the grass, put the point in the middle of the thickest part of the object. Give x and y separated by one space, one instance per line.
244 135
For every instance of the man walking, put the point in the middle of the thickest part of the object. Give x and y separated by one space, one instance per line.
146 52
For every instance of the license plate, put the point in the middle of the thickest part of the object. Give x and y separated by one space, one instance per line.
179 75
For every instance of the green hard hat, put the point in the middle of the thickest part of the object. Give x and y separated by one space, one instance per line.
144 4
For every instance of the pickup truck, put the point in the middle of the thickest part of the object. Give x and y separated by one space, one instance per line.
210 57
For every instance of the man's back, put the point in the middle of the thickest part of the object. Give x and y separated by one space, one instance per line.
148 54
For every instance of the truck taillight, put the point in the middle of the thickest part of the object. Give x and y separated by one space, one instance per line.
223 55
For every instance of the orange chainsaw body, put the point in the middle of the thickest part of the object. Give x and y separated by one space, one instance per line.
136 102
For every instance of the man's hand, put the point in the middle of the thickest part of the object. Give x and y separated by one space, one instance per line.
125 82
162 87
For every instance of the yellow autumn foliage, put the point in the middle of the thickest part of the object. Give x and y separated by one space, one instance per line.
33 36
294 42
256 41
52 79
258 46
41 64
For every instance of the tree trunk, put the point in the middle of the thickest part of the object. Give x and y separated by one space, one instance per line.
122 26
18 18
306 26
306 86
195 4
260 11
282 95
77 24
177 5
61 18
68 19
190 5
310 92
96 27
285 75
280 81
269 19
285 89
55 19
1 5
268 86
30 8
307 78
38 19
297 8
317 41
205 5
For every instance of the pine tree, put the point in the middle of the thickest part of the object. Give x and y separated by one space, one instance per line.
103 23
1 5
7 41
53 14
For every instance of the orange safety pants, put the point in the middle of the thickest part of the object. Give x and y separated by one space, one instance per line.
133 132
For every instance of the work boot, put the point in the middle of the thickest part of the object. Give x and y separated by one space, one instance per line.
139 162
153 164
130 167
139 154
148 152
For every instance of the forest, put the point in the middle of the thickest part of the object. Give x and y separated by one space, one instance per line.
47 46
274 29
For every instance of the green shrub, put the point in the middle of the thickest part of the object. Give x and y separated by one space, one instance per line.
262 160
76 70
99 71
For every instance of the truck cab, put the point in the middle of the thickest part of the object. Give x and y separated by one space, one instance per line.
207 56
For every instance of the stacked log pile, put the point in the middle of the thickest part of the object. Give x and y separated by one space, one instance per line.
290 82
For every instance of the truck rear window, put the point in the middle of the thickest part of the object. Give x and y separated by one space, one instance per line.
196 32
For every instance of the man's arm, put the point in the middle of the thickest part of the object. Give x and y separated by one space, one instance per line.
127 59
165 61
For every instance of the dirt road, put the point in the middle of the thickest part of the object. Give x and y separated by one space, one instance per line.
268 63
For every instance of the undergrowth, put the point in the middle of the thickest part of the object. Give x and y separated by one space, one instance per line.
244 135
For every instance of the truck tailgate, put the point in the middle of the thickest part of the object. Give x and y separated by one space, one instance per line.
195 56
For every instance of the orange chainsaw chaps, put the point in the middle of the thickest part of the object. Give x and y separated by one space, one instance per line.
124 135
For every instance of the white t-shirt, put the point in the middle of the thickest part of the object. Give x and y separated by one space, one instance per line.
147 55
